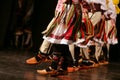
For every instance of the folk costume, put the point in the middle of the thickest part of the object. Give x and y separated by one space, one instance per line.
107 33
68 28
63 10
63 29
95 10
110 31
46 45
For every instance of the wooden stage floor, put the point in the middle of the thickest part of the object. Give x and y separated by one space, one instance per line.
13 67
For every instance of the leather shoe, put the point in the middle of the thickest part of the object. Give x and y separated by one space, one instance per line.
36 59
52 72
32 61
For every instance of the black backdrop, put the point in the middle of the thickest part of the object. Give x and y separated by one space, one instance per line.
43 13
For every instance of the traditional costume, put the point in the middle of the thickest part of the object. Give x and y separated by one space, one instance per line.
95 10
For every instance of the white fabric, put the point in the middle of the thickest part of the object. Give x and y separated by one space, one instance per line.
75 1
71 49
94 1
102 2
45 46
59 5
111 9
95 18
84 52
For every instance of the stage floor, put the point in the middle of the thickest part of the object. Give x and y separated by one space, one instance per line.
13 67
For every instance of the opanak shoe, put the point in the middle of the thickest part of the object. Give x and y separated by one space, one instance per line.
72 69
52 72
86 64
32 61
103 63
43 72
36 59
46 71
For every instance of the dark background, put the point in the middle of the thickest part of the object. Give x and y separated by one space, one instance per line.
42 14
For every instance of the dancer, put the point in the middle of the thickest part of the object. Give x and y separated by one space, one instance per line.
45 47
95 9
63 31
46 43
110 31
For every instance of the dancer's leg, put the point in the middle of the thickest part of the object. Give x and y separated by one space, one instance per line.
42 54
